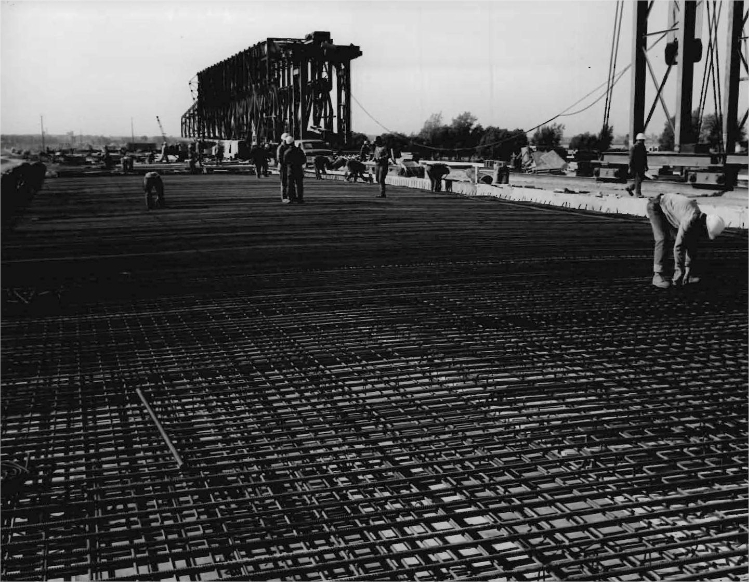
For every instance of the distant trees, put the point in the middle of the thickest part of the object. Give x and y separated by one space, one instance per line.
666 141
605 138
710 132
584 141
500 144
548 137
591 142
357 140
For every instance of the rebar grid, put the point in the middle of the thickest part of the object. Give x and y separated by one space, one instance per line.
499 418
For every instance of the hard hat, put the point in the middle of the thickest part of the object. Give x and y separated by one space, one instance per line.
284 135
640 136
715 225
289 139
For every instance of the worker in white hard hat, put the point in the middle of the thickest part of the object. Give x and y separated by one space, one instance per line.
280 151
638 165
679 218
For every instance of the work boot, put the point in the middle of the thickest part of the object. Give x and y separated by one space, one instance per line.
660 281
687 280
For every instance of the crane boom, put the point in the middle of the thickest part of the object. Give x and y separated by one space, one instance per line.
161 128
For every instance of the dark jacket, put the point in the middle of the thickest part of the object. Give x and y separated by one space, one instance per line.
294 157
638 158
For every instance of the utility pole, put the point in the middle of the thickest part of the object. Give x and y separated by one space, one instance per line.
42 125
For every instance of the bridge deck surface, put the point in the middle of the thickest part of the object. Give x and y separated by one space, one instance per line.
423 387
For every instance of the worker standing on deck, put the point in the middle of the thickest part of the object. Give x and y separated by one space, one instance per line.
164 157
282 166
678 217
295 160
152 182
364 151
638 164
266 156
381 159
257 155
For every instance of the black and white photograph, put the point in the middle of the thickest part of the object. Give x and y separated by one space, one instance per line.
401 290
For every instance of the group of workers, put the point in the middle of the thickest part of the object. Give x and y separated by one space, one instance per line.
292 160
672 216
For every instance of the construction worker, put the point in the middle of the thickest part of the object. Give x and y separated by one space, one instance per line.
152 181
321 166
381 159
266 156
638 165
680 218
435 173
282 166
364 152
356 169
164 157
338 162
295 160
257 155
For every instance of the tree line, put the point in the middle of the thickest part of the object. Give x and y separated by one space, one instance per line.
466 139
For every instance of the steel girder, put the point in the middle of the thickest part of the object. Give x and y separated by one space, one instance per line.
299 86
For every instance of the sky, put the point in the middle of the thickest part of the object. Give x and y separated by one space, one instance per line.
109 67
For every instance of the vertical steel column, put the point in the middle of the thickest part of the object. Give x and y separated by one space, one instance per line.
303 92
346 66
639 46
733 68
685 76
339 121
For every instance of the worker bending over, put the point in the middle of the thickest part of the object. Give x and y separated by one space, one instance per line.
321 166
676 216
435 173
356 169
152 182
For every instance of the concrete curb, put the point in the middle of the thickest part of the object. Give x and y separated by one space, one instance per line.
735 216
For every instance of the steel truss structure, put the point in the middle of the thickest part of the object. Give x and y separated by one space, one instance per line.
299 86
685 20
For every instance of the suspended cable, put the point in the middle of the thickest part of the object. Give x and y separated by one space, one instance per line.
499 142
611 64
615 58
